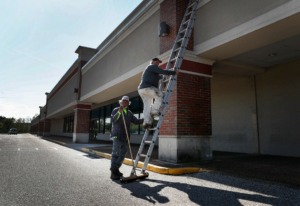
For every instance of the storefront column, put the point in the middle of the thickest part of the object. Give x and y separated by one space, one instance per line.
47 124
81 123
186 131
40 128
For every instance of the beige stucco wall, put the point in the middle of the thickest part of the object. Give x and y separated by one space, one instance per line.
137 48
65 96
270 128
278 92
57 127
214 19
233 114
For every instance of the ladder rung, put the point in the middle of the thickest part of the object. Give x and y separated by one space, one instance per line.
180 40
151 129
186 22
192 4
189 13
176 50
173 60
143 155
148 142
183 30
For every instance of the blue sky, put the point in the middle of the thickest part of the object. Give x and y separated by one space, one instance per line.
38 39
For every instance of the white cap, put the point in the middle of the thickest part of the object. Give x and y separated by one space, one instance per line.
125 98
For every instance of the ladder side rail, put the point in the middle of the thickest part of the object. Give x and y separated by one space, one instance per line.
155 135
181 52
154 138
187 36
177 54
186 33
178 36
137 158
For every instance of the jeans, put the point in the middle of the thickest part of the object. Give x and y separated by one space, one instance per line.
119 151
147 95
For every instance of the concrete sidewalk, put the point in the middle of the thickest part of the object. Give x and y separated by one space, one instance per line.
278 169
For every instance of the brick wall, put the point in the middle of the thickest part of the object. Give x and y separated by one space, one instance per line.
172 12
189 111
47 125
82 118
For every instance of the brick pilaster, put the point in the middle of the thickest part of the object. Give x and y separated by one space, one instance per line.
47 126
81 123
186 128
189 111
172 12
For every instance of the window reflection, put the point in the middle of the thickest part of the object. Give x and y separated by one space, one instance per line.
103 120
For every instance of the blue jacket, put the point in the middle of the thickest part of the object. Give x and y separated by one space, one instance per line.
118 129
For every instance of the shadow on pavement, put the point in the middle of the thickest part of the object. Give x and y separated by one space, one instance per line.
285 170
202 195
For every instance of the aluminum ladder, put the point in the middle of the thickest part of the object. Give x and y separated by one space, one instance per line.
174 63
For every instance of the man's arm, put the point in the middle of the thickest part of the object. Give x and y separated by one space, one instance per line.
163 71
115 115
135 120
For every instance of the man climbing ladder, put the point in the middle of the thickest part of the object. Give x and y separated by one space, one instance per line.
148 90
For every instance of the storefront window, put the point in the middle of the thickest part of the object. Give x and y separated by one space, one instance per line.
134 128
68 124
103 115
107 125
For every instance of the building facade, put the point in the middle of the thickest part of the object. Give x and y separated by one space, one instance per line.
237 89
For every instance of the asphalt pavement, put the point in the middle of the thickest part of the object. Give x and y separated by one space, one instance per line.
278 169
37 171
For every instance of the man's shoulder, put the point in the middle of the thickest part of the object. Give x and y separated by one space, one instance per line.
115 110
152 66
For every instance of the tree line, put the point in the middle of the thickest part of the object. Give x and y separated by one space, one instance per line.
21 124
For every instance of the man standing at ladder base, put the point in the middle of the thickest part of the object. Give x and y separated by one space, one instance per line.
121 117
148 90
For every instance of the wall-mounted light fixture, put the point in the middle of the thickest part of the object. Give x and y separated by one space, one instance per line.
164 29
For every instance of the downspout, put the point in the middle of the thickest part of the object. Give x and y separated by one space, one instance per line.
257 119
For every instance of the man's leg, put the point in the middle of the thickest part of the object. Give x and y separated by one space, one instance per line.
115 159
146 95
123 151
158 97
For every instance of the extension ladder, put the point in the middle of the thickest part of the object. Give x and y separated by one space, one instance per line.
175 61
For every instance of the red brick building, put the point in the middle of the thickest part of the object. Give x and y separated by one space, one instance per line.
237 89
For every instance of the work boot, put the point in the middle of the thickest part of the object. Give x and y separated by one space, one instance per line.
119 173
115 174
155 113
147 126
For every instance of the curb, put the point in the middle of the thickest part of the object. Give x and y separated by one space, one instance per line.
150 167
56 141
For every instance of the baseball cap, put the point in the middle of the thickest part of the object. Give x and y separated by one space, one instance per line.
157 59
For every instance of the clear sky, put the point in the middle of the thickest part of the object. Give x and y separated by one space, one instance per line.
38 39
